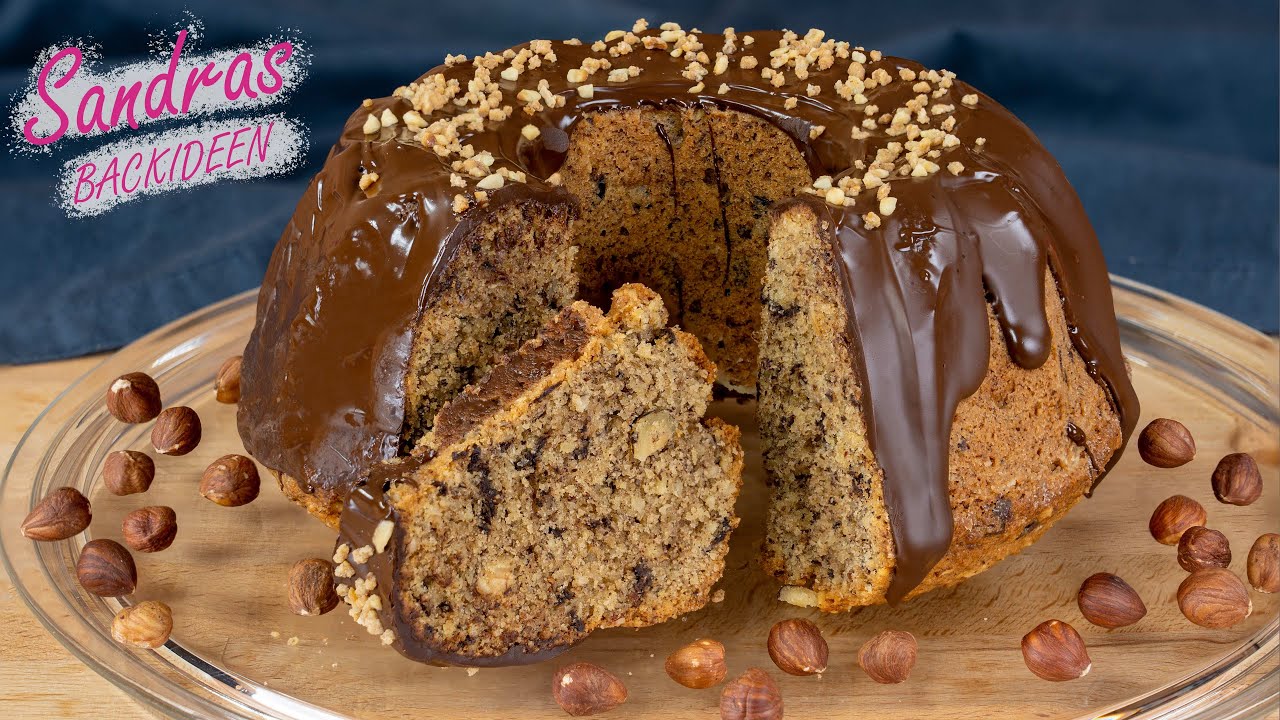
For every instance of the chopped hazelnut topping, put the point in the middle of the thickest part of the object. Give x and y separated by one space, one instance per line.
724 89
388 118
955 167
888 204
871 219
970 100
371 125
492 181
815 131
530 132
586 92
368 179
747 62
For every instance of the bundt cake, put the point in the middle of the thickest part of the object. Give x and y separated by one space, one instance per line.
887 257
574 487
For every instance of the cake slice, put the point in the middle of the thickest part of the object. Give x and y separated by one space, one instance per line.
575 487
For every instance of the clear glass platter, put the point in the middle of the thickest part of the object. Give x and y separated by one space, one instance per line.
236 651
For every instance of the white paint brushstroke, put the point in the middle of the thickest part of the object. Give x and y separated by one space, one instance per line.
283 153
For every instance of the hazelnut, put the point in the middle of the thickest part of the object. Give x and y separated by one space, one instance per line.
145 625
231 481
586 689
1166 443
1107 601
1201 547
653 432
105 568
753 695
1214 598
1263 565
134 398
150 529
59 515
176 432
1236 479
1055 651
226 386
889 657
126 472
797 648
1172 518
311 587
698 665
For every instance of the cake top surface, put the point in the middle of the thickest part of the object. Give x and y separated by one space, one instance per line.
935 196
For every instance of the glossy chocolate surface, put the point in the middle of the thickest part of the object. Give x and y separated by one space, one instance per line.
324 372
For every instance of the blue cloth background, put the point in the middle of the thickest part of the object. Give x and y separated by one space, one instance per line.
1162 112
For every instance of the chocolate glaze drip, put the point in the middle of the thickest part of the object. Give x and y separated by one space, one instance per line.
325 368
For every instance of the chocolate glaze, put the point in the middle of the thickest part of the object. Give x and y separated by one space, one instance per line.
367 505
324 372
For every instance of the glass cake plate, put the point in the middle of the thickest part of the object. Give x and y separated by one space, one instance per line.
237 651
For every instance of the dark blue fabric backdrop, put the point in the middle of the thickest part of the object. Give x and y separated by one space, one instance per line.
1162 112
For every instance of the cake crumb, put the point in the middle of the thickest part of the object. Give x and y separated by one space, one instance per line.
716 597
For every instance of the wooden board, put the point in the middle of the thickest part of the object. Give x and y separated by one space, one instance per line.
968 635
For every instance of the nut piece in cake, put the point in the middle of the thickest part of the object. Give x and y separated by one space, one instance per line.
653 432
58 516
134 398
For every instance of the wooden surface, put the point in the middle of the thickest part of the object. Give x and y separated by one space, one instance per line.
968 635
38 677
